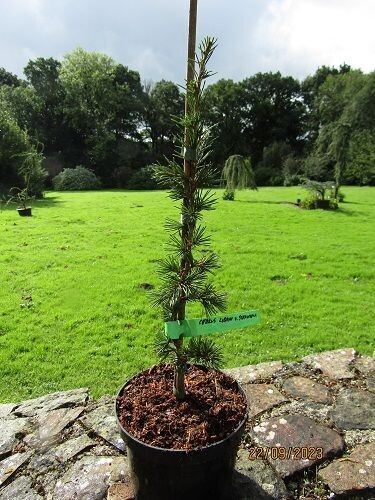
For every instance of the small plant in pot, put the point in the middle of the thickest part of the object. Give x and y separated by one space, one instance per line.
319 192
182 422
22 198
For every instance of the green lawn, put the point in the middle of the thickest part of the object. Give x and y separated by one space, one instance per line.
73 313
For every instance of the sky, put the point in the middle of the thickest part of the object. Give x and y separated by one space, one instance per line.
294 37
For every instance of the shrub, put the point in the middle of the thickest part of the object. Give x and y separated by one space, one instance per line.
333 204
75 179
319 189
308 203
228 195
143 179
291 171
340 197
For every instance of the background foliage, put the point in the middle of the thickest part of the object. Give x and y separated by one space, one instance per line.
90 110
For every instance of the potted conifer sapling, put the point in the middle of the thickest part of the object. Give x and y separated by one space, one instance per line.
22 198
182 420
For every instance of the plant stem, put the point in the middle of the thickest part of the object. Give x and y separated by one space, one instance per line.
179 376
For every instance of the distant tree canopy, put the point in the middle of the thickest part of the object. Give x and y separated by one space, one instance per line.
90 110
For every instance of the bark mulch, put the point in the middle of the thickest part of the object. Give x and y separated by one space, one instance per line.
213 409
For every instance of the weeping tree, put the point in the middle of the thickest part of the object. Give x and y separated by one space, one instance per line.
238 174
184 272
339 150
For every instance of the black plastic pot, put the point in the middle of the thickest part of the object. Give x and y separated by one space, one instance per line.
24 212
168 474
322 204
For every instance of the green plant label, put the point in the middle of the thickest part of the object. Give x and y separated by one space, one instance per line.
207 326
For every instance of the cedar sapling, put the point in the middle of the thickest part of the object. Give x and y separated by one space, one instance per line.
184 271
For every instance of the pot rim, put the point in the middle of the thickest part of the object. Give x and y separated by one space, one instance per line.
182 450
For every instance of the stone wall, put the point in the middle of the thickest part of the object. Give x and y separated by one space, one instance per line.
318 414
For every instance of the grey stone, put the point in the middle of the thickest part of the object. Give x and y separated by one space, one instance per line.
354 474
370 383
305 388
256 479
6 409
291 434
121 491
90 478
40 464
262 397
102 421
354 409
254 373
9 430
333 364
54 401
50 425
11 464
365 365
72 447
20 489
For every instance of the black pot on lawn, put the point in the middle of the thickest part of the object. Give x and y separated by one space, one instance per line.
24 212
324 204
168 474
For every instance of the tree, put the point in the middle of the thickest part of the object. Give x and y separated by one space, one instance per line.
43 79
161 102
223 110
238 173
269 169
345 103
273 112
183 275
310 89
102 103
25 107
7 78
20 161
361 158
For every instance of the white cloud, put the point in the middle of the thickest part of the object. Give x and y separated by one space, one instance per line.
300 35
293 36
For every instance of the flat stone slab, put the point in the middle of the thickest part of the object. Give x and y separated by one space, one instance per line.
9 429
90 478
354 409
20 489
300 440
102 421
333 364
262 397
306 389
72 448
50 424
254 373
11 464
256 479
54 401
353 474
6 409
364 364
53 422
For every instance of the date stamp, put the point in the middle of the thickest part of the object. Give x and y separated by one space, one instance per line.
285 453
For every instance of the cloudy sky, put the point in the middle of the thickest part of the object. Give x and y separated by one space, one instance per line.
292 36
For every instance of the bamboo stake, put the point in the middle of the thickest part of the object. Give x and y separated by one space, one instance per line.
179 385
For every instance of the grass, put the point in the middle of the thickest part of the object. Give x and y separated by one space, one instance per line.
75 310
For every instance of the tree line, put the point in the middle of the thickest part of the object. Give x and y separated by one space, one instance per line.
89 110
